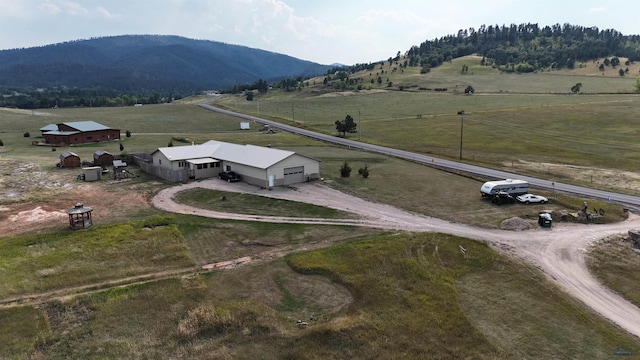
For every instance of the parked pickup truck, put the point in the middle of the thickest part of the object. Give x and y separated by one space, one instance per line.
229 176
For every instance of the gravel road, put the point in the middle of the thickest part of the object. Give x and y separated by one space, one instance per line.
559 251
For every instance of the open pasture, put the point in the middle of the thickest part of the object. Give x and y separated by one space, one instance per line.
498 129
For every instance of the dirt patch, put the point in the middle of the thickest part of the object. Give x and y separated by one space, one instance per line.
350 93
34 199
26 112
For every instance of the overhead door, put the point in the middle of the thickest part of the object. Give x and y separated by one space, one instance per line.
294 175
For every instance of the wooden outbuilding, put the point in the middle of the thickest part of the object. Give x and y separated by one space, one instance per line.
102 158
69 160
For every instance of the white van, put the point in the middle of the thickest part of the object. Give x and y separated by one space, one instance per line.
510 186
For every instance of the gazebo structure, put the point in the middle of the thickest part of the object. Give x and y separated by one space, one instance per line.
79 216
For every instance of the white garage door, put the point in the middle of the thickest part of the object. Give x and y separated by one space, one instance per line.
294 175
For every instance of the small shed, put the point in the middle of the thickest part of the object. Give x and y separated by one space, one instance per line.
102 158
245 125
92 173
69 160
79 216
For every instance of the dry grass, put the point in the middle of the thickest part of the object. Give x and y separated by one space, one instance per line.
615 262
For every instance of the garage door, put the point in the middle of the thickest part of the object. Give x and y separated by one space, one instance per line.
294 175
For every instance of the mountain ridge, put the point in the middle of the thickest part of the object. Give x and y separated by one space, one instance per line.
162 63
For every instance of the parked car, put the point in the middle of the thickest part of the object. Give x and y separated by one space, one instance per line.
502 197
530 198
230 176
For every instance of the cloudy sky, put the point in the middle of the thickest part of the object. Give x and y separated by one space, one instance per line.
324 31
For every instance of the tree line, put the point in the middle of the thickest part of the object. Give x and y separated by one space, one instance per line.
67 98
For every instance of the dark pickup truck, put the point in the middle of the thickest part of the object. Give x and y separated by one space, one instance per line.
229 176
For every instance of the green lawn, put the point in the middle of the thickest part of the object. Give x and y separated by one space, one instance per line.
254 205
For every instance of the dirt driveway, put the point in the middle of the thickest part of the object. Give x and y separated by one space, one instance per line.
558 251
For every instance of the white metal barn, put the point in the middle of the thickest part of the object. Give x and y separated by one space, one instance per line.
257 165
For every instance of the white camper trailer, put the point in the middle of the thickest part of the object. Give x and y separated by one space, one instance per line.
510 186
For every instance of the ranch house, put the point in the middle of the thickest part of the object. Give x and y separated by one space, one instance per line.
257 165
78 132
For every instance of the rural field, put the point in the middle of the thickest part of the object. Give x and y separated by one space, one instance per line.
132 285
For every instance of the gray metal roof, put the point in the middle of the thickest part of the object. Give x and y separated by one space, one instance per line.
86 125
66 154
78 125
206 160
56 132
100 153
251 155
50 127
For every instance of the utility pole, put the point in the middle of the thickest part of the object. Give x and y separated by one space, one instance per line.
359 130
461 113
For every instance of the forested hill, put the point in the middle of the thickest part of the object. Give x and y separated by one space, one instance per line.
146 63
522 48
528 45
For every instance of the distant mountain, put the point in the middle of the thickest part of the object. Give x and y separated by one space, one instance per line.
147 63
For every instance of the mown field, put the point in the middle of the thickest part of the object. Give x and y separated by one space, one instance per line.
364 293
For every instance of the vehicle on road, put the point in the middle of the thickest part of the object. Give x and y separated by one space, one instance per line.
229 176
502 197
530 199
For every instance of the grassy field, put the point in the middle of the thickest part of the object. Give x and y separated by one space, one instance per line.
534 119
371 294
615 262
45 262
254 205
409 295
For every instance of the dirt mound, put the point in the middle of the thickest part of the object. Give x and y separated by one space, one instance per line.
516 224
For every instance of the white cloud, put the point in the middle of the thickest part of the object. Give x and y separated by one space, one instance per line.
50 8
597 9
74 8
104 13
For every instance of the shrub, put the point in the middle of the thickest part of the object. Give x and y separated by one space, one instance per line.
128 133
26 134
1 143
121 147
345 170
364 171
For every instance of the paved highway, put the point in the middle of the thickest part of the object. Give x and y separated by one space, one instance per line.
625 200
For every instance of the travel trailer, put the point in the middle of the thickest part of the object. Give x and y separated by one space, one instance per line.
510 186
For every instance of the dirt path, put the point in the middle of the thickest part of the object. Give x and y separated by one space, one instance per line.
559 251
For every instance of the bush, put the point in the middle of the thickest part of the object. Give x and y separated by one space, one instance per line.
345 170
26 134
121 147
364 171
128 133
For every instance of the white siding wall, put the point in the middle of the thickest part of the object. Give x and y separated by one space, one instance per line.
249 174
311 167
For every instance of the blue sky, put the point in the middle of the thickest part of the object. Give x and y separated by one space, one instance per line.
324 31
